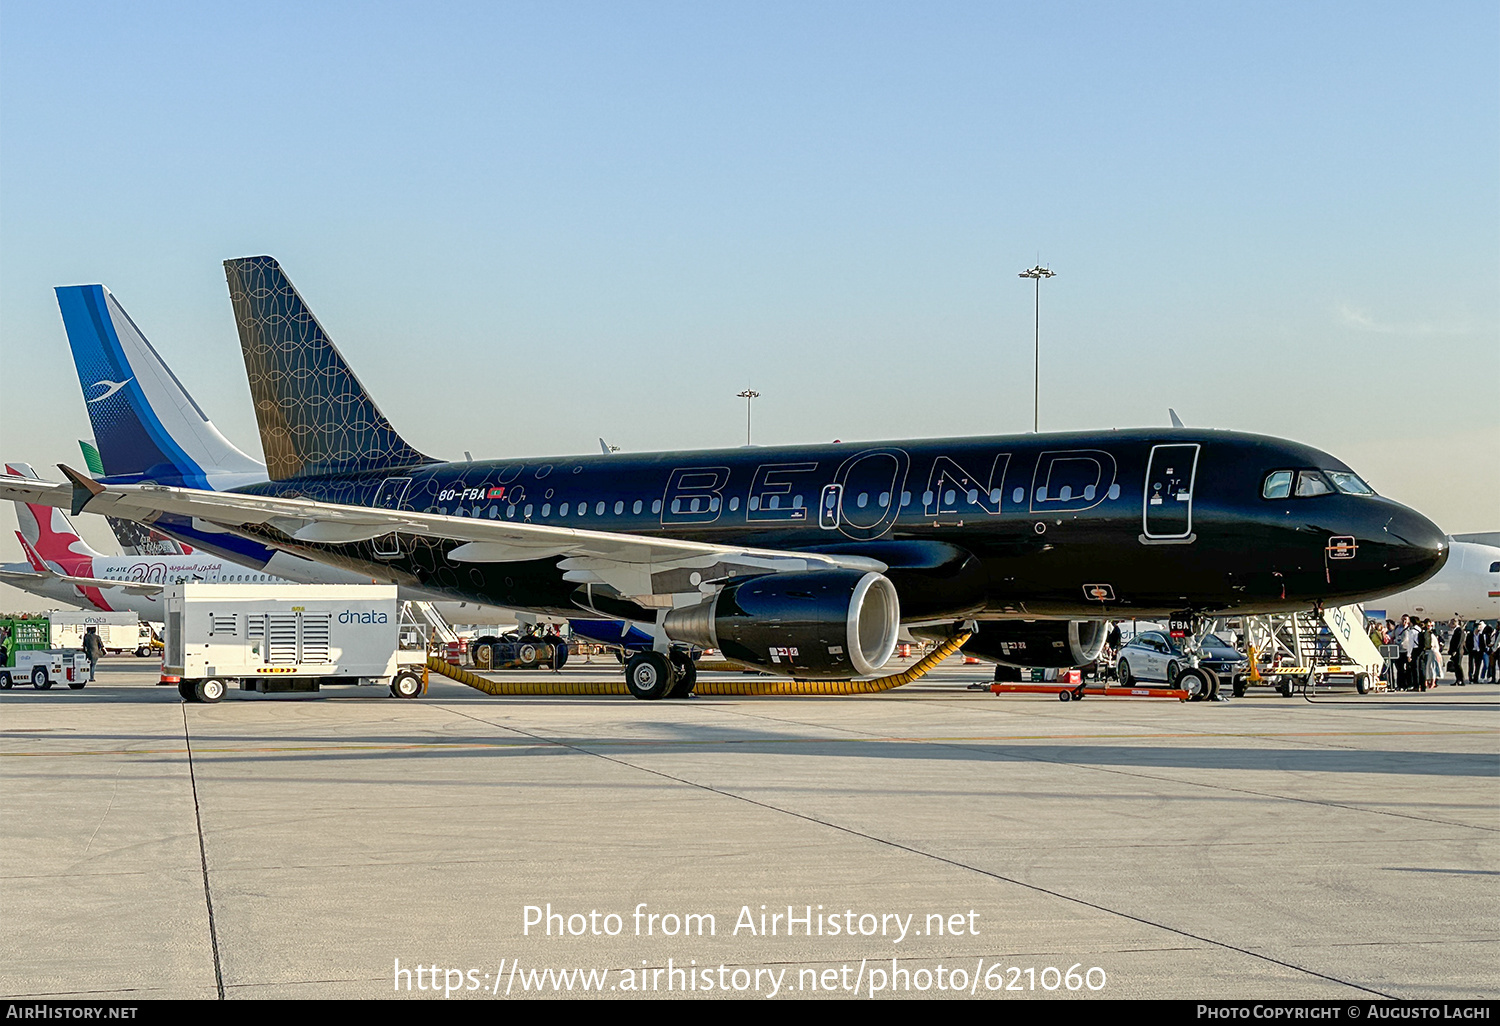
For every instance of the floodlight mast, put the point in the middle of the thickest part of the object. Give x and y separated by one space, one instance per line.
749 395
1037 273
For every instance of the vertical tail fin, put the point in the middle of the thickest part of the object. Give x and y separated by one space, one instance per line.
314 415
48 534
146 425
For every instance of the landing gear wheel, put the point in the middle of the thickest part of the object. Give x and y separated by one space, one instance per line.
483 655
1239 687
649 675
1362 683
1195 683
1065 695
1212 692
406 685
1125 679
687 676
39 678
1173 670
210 690
526 655
185 689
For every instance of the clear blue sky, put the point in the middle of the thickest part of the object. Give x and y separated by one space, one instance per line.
528 225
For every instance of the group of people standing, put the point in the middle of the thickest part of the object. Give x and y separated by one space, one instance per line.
1424 650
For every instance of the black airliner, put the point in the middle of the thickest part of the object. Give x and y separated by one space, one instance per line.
802 560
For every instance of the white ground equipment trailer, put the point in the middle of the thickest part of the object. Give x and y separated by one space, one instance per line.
120 632
285 637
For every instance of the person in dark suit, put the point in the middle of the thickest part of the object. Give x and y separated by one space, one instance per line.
1456 651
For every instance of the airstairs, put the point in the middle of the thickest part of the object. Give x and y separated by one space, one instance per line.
1293 651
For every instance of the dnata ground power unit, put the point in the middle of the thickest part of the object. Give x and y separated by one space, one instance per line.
285 637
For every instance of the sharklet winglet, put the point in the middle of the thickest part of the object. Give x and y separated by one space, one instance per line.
84 488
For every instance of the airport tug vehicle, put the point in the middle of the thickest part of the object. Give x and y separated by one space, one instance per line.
45 667
276 638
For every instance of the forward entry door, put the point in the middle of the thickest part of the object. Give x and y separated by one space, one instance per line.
1169 493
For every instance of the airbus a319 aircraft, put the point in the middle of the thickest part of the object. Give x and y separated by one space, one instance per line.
802 560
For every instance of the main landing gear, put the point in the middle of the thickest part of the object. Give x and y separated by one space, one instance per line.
651 675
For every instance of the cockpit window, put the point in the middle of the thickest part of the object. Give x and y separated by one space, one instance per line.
1495 568
1310 483
1278 485
1349 484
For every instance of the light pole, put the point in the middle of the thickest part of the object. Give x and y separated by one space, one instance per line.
749 395
1037 273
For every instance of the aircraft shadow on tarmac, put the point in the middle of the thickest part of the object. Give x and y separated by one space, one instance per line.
364 747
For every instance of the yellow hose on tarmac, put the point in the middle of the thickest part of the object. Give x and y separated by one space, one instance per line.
755 686
539 686
762 686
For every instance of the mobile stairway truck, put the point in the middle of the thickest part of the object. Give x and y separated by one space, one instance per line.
276 638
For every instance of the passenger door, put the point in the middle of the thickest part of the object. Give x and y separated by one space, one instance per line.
1168 511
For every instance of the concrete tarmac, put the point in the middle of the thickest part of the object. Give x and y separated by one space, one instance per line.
343 844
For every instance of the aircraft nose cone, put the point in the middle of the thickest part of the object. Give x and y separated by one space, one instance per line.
1419 547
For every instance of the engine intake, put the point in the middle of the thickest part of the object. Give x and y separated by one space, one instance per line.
824 623
1044 644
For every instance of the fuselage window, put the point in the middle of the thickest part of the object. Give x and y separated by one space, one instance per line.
972 495
863 500
1018 496
546 509
927 497
510 512
906 498
636 508
656 506
583 509
884 500
754 503
1495 568
713 504
619 506
797 502
599 508
527 512
775 502
949 495
734 504
1088 492
1278 485
562 510
1310 483
1114 491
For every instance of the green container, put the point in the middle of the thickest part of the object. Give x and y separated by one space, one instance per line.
24 634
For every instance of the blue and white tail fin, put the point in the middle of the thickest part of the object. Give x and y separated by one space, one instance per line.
314 415
147 426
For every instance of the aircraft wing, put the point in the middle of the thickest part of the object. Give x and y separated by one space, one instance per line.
657 572
23 577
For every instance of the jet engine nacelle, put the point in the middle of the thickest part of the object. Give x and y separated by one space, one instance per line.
822 623
1059 644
